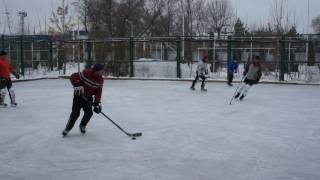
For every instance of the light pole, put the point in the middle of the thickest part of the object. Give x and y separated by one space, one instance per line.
22 15
308 24
308 16
131 24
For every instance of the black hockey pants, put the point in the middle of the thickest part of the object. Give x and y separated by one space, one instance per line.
197 78
78 104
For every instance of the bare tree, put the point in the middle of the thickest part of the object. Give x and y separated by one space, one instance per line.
186 16
282 19
61 23
152 12
83 7
201 23
171 5
220 14
110 18
164 24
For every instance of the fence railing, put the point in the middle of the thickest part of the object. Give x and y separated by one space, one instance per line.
284 58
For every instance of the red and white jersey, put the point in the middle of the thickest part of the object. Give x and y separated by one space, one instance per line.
91 83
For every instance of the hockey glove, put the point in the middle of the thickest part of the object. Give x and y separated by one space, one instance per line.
16 75
203 76
97 108
78 91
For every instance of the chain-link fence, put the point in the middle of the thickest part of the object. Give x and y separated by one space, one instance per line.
284 58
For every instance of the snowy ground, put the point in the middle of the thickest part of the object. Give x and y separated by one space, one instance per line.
274 134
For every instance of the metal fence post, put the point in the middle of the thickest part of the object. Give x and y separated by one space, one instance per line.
131 56
178 58
282 58
229 49
2 42
211 51
51 55
88 55
19 50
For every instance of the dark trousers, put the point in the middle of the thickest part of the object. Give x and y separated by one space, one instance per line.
230 78
250 82
5 82
78 104
197 78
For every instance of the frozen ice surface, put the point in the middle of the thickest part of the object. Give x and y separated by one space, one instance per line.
274 134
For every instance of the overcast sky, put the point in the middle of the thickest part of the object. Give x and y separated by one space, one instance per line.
251 11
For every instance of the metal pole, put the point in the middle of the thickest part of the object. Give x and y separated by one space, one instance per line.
144 47
229 50
251 53
79 44
9 50
2 42
289 54
88 55
21 56
79 55
178 40
289 57
214 53
131 26
308 11
83 52
283 58
18 54
51 55
93 54
307 49
150 49
161 51
156 50
73 47
32 63
22 15
131 56
183 36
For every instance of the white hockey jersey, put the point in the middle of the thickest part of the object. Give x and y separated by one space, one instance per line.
202 68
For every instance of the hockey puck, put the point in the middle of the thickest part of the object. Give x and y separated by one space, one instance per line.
133 138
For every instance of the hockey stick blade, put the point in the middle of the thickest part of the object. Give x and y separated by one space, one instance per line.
139 134
132 135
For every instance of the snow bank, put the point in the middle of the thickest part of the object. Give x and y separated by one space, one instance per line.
157 69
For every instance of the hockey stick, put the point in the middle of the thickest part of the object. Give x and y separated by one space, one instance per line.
9 95
234 94
132 135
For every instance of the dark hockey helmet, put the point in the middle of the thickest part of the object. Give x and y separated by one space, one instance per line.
98 67
205 58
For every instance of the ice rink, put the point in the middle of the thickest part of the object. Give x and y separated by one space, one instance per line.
273 134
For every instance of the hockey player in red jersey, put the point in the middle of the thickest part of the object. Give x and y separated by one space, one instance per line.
87 86
5 81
